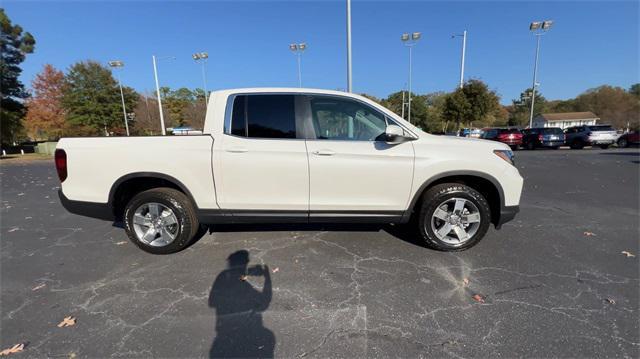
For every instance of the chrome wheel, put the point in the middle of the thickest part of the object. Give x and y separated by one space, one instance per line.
455 221
155 224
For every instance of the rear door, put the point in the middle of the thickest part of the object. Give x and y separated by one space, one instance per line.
352 171
260 162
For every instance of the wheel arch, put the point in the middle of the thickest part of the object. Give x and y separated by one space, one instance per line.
127 186
480 181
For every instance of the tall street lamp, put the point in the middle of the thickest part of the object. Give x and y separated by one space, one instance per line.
155 74
202 57
464 47
538 28
349 82
298 49
116 64
410 40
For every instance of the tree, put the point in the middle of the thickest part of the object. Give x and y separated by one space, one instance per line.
45 116
14 45
177 102
635 90
92 98
520 111
474 103
613 105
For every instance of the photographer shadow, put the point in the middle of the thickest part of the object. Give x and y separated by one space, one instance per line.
239 306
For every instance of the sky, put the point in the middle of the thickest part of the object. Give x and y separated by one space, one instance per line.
591 43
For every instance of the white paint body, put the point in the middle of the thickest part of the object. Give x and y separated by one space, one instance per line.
222 171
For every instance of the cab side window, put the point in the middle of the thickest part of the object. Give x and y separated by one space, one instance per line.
264 116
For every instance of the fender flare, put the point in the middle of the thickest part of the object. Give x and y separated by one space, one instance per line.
430 180
121 180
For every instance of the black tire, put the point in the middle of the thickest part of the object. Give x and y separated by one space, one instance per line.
514 147
555 147
577 145
531 145
438 194
604 147
623 143
183 210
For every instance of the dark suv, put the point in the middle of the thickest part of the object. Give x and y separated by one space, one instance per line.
509 136
551 137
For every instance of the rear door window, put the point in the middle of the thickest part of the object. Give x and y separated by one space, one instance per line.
264 116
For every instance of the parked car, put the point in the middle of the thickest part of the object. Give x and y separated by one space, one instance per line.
470 132
596 135
551 137
509 136
630 138
291 155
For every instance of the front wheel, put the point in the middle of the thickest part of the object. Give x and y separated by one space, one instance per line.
604 147
622 143
531 145
453 217
161 220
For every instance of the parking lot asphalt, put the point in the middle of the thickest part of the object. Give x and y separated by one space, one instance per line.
552 283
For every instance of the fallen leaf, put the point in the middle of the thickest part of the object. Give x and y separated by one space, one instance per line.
628 254
42 285
14 349
465 282
243 278
589 234
13 229
478 298
610 301
120 243
67 322
275 270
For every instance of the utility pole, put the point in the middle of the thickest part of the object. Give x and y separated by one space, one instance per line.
410 40
464 48
119 64
155 74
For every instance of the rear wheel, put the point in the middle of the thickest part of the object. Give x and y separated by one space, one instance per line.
604 147
555 147
622 143
453 217
160 220
531 145
577 145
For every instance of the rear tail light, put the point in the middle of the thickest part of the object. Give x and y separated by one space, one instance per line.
61 164
540 138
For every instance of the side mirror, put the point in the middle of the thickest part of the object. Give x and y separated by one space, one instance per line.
395 134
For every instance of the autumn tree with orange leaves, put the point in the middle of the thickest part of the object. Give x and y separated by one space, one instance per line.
45 117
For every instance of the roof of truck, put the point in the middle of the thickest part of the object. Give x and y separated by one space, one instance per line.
285 89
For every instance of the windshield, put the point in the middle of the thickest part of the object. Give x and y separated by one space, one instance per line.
601 128
552 131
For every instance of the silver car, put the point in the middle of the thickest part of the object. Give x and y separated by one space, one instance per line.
596 135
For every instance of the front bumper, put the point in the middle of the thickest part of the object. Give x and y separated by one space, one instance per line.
87 209
507 213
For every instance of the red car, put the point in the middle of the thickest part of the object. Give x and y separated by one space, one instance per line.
509 136
631 138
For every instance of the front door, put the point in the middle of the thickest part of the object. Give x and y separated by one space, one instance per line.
352 171
260 162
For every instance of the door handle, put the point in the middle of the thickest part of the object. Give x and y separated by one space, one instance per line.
323 153
237 150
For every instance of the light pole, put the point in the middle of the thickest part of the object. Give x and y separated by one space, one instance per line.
410 40
202 58
538 28
155 74
116 64
464 48
298 49
349 83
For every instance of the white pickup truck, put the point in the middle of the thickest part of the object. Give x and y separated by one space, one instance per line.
274 155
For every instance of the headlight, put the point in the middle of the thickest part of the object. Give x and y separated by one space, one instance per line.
505 155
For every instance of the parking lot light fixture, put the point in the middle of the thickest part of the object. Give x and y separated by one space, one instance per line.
155 74
410 40
117 64
298 49
202 57
538 28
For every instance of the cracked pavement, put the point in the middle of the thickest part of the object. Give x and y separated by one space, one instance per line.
336 291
